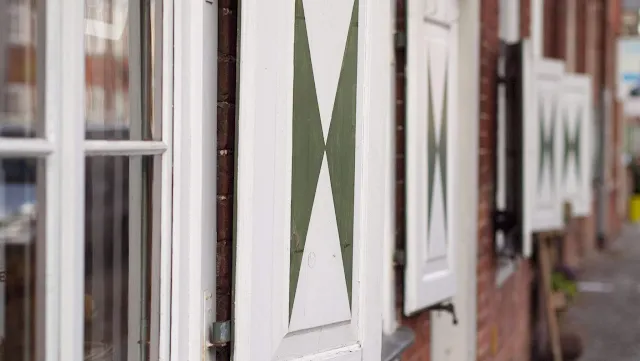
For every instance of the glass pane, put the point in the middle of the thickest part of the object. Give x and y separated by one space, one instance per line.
18 84
18 266
119 238
121 70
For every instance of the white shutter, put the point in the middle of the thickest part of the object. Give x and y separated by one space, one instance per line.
542 155
430 152
315 88
576 142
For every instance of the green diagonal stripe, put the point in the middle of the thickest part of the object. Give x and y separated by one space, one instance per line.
572 145
308 148
341 147
547 144
436 148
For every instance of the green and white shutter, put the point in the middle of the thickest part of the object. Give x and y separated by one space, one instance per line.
430 152
314 109
576 141
542 98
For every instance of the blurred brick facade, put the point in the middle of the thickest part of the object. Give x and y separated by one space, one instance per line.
503 310
582 33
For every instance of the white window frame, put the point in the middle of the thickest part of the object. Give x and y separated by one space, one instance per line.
188 202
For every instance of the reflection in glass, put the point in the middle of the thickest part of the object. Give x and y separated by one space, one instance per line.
120 73
118 231
18 92
18 259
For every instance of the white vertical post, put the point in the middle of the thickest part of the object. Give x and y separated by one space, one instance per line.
537 27
389 320
194 187
509 20
165 93
67 31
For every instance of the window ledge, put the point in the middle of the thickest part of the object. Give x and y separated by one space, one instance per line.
504 271
395 344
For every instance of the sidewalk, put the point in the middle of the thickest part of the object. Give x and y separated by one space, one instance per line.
607 310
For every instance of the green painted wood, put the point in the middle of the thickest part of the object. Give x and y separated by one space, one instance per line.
436 148
572 145
308 148
547 144
341 148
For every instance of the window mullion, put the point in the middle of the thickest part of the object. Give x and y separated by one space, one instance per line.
69 158
49 60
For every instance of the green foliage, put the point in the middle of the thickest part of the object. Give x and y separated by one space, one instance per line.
560 283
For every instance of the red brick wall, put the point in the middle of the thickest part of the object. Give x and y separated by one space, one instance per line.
503 311
525 18
226 110
555 34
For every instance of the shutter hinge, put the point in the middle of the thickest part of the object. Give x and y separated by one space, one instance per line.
220 334
400 40
447 307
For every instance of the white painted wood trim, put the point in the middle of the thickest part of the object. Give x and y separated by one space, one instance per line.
458 342
49 66
509 15
469 47
194 189
124 147
247 93
379 190
68 15
389 318
21 147
537 27
166 205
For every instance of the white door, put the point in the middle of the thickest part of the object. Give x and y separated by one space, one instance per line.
432 123
106 245
314 95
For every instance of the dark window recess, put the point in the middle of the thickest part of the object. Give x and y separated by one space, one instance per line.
508 219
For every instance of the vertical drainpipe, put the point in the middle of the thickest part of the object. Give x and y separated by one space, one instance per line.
604 111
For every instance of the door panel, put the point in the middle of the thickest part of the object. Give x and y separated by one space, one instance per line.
307 175
431 124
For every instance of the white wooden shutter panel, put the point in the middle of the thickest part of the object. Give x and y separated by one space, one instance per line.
542 156
576 142
314 87
430 152
527 105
